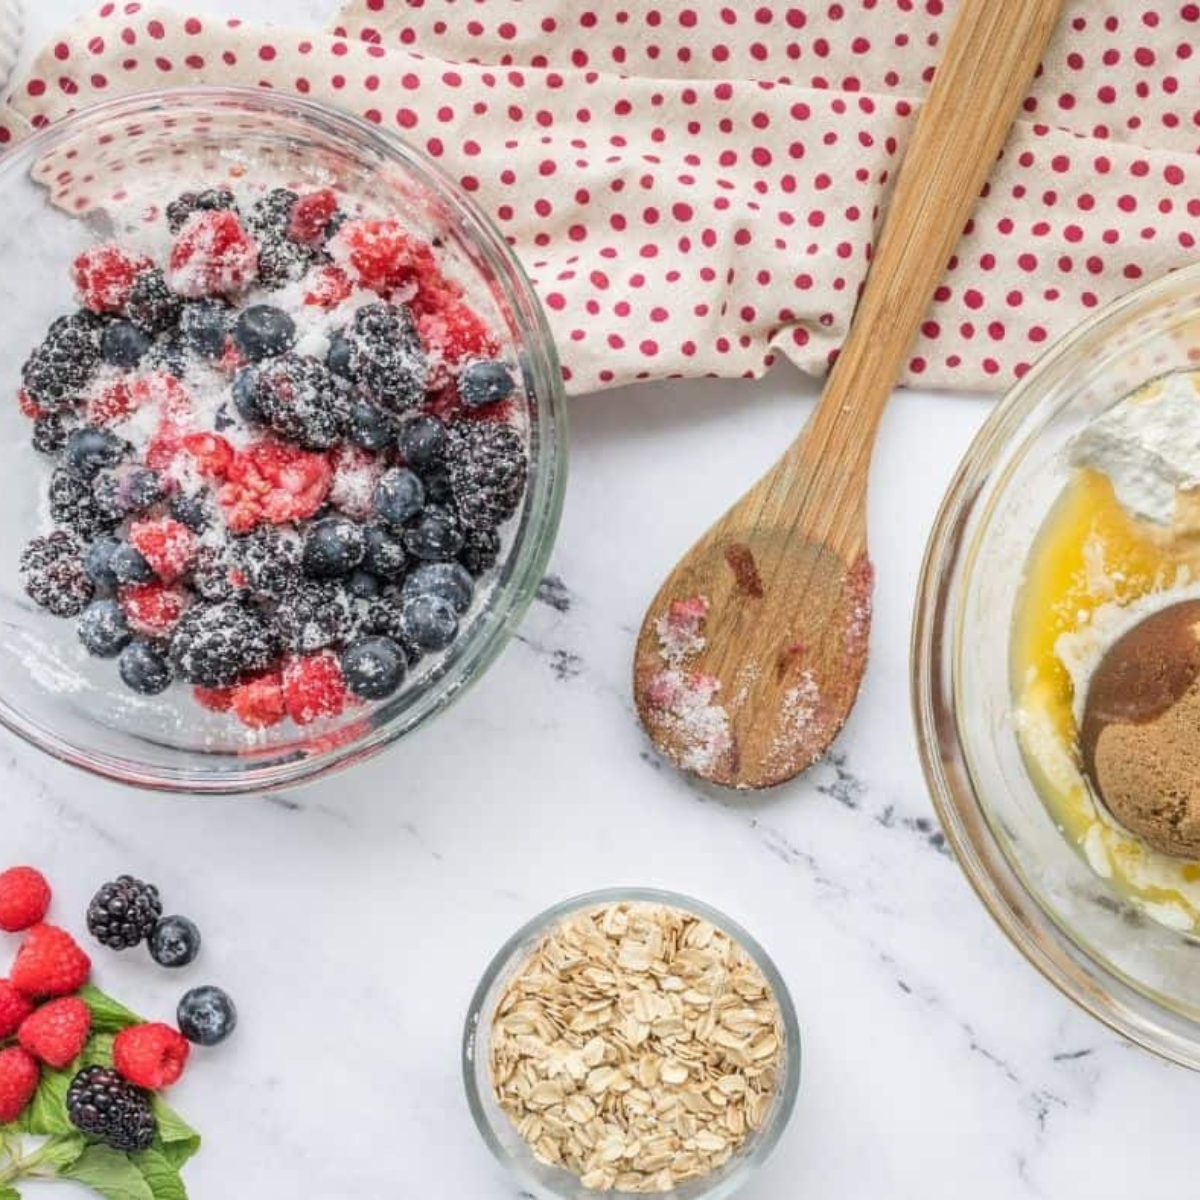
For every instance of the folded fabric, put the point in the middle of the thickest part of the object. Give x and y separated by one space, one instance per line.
694 186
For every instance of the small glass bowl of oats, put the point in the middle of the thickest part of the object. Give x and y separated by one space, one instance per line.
631 1042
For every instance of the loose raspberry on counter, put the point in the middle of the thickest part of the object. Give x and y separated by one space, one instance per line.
259 703
381 254
153 609
14 1008
24 898
313 687
104 276
310 217
213 256
49 963
271 482
57 1032
151 1056
18 1081
167 545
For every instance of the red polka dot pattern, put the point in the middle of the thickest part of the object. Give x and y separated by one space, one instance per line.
694 185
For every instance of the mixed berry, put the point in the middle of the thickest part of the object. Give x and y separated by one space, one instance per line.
282 454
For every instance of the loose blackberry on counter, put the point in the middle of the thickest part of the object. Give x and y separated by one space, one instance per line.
124 913
101 1104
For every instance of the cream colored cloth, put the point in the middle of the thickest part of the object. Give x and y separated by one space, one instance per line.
694 186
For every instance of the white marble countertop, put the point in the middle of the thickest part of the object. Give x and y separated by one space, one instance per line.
352 920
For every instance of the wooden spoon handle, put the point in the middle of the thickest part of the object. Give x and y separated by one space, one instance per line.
984 73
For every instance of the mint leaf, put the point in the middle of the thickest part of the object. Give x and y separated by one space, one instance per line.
98 1052
110 1173
8 1193
177 1141
47 1112
108 1016
160 1174
55 1154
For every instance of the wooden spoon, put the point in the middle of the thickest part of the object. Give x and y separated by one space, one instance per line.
750 656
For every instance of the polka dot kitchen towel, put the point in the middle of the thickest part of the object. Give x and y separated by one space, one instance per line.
694 185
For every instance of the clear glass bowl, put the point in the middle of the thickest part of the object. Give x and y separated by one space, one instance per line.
555 1183
1131 972
112 161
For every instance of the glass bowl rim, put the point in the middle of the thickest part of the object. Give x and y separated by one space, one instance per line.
937 619
475 1035
525 565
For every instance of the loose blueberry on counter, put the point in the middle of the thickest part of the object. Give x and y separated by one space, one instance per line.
450 580
484 382
90 450
175 942
333 547
383 554
144 669
206 1016
129 566
370 427
245 395
204 325
399 496
374 668
429 621
362 585
97 562
422 441
262 330
103 630
434 536
124 344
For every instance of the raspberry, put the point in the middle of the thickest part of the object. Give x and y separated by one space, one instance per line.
212 256
29 406
313 687
328 287
275 483
168 546
258 703
151 1056
111 404
310 216
14 1008
24 898
212 454
153 609
18 1082
381 254
214 699
49 963
452 334
105 274
57 1033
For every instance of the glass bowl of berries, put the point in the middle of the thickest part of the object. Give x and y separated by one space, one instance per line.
286 450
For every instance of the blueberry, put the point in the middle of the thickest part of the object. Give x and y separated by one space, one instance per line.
98 563
332 547
429 621
370 426
384 554
90 450
206 1016
103 629
262 331
175 942
128 565
362 585
399 496
434 536
144 669
483 382
205 326
245 395
374 667
450 580
337 358
124 344
191 510
422 441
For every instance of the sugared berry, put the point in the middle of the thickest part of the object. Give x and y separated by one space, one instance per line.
55 576
387 358
74 504
262 331
399 496
434 536
124 344
175 942
144 669
422 441
333 547
481 550
213 256
208 200
50 433
369 426
362 585
62 366
488 468
204 327
374 668
429 621
91 450
152 305
485 381
312 615
97 562
129 565
214 645
383 552
102 629
206 1016
450 580
104 275
300 400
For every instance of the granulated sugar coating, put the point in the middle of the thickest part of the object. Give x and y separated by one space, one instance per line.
242 371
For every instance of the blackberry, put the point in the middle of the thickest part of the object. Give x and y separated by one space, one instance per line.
387 358
438 489
435 536
192 509
481 550
488 469
74 504
209 200
152 305
64 363
272 213
50 433
145 669
123 913
212 574
269 560
485 381
301 401
169 354
102 1105
214 645
280 260
56 578
313 615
